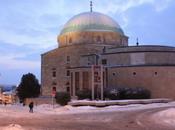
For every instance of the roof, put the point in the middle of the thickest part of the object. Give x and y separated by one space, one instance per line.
91 21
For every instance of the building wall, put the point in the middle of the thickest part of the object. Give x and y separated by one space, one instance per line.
150 67
160 80
140 58
56 60
108 38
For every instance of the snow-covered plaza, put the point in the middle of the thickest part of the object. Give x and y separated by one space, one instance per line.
48 117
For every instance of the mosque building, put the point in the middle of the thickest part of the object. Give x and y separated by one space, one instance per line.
92 39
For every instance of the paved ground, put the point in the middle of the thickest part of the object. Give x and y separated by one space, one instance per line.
129 120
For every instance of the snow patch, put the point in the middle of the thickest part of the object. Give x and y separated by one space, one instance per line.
12 127
166 117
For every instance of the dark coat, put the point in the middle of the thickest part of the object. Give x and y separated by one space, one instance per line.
31 105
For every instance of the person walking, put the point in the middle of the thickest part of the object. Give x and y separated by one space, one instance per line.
31 107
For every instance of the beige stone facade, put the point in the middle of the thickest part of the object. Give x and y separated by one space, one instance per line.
59 61
107 38
158 79
68 67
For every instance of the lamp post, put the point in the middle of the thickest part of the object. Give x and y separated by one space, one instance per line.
97 78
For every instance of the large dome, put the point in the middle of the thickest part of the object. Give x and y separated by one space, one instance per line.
92 28
91 21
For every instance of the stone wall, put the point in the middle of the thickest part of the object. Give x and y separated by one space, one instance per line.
149 67
56 60
108 38
158 79
140 58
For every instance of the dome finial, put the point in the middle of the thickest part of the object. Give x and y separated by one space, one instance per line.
91 5
137 43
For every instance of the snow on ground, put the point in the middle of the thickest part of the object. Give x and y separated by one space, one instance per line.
166 117
17 111
12 127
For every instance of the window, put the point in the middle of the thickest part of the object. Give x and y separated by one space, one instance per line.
68 59
67 83
54 74
70 40
155 73
134 73
66 40
68 89
53 68
54 83
68 73
54 89
114 74
98 39
104 61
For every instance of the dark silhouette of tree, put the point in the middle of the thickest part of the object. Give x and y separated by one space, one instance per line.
28 87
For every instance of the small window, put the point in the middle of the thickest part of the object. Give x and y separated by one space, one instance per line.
53 68
67 83
98 39
54 83
134 73
70 40
104 61
114 74
68 73
68 59
68 89
54 74
54 89
155 73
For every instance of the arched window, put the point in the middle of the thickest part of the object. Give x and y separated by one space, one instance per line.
70 40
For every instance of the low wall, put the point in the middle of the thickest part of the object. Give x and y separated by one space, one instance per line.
40 100
117 102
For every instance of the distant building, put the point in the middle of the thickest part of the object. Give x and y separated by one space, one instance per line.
8 94
92 38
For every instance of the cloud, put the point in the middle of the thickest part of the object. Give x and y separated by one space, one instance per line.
41 41
162 5
30 27
39 23
12 62
122 6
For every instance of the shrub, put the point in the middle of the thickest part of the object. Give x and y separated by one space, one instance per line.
62 98
136 93
83 94
143 93
115 93
112 93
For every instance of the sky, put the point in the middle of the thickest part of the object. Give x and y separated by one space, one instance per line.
29 28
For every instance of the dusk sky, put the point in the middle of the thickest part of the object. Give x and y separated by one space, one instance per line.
29 28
